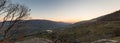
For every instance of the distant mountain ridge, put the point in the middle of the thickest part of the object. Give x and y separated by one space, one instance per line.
36 26
41 24
45 24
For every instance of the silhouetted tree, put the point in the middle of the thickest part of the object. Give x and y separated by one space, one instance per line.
12 16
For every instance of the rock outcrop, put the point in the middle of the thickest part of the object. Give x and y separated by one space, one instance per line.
35 40
105 41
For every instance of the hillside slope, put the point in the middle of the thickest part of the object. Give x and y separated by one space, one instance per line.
104 27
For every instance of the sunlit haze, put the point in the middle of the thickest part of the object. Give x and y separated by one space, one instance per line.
70 10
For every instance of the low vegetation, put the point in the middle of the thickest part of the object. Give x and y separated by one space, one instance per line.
105 27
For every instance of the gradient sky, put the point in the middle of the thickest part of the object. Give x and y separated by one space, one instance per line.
70 10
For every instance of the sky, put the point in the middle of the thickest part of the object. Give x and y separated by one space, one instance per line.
69 10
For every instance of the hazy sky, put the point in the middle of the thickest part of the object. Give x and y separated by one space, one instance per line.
70 10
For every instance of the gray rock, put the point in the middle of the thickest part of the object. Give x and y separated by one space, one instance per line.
105 41
35 40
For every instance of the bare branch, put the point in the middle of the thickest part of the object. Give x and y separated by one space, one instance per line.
11 15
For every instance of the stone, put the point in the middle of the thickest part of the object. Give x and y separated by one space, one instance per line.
105 41
35 40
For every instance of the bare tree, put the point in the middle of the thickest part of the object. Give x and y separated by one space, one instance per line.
11 17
